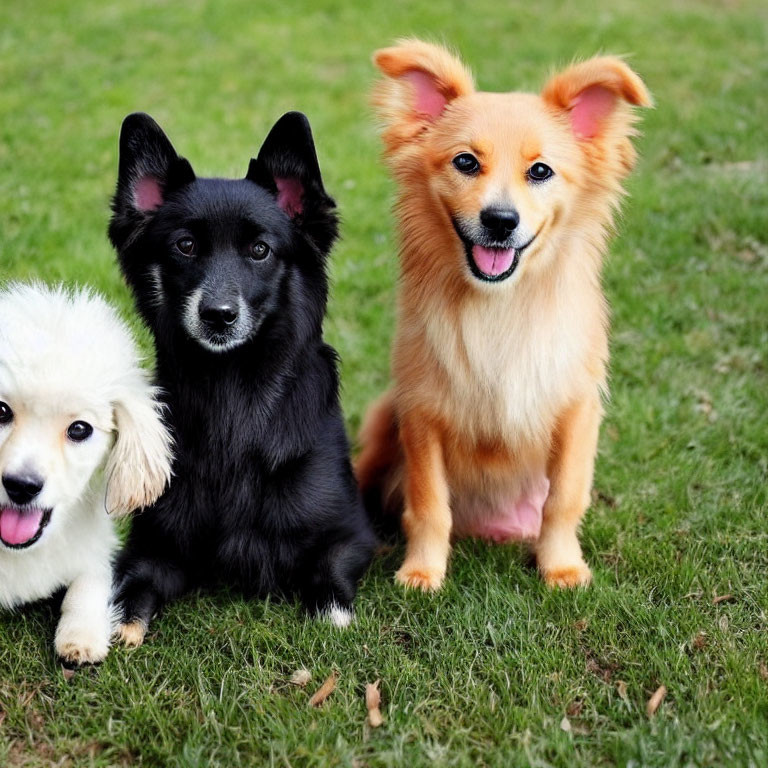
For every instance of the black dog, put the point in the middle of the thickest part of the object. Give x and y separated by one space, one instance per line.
230 277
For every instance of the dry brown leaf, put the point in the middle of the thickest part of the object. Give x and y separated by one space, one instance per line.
565 725
301 677
655 701
621 687
721 599
324 691
763 670
372 704
700 641
574 708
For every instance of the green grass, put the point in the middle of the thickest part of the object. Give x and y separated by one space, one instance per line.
484 672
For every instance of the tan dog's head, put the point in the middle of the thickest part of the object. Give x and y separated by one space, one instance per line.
507 174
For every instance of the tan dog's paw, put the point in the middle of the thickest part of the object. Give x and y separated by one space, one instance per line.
420 577
81 645
568 577
131 634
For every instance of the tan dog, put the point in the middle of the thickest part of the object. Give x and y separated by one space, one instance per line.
505 206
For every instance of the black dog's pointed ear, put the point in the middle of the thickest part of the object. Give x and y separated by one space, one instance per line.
287 167
149 166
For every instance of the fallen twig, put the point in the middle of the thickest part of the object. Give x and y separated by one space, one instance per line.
655 701
721 599
324 691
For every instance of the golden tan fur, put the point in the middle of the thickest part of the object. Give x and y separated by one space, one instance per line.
497 386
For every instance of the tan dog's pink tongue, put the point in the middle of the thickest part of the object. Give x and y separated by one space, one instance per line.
493 261
17 526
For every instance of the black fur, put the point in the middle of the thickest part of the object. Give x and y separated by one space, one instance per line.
263 496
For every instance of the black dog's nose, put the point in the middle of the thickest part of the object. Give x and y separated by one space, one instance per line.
500 221
22 489
218 316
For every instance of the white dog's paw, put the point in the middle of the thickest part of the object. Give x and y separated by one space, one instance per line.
82 643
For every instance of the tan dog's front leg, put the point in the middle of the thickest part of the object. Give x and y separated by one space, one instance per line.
558 552
427 515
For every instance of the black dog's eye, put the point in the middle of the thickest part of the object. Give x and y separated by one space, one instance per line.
466 163
540 172
6 414
259 251
186 245
78 431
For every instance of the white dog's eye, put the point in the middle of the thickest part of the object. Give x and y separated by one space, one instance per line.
6 414
78 431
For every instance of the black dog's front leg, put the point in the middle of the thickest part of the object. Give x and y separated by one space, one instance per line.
142 586
330 584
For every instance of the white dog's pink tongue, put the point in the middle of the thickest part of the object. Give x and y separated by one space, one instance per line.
493 261
19 526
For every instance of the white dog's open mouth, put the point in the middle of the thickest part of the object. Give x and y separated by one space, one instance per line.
22 527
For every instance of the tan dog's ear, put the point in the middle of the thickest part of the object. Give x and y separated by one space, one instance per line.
422 79
595 92
139 467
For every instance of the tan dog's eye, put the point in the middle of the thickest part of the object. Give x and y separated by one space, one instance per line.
539 172
466 163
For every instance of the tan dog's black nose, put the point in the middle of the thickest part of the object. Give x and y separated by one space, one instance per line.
21 489
500 222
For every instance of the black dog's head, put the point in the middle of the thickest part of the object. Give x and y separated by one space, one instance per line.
216 258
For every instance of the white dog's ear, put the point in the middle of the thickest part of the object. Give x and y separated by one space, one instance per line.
139 467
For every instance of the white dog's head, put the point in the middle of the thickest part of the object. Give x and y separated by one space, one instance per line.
72 399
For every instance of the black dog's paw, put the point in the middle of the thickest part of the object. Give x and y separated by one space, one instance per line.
338 615
131 633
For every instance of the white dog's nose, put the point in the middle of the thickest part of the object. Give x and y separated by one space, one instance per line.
21 489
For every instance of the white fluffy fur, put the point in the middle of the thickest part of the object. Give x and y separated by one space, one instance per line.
66 356
339 616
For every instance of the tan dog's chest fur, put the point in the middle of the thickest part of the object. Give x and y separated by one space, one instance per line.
491 428
498 374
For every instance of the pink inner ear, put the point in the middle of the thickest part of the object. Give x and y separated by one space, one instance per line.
290 193
589 109
428 99
148 194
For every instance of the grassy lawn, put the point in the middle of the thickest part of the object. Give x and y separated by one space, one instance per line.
485 672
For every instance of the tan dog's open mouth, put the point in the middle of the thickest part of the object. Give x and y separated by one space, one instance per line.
490 263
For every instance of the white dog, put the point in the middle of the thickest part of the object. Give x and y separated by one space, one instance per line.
80 436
